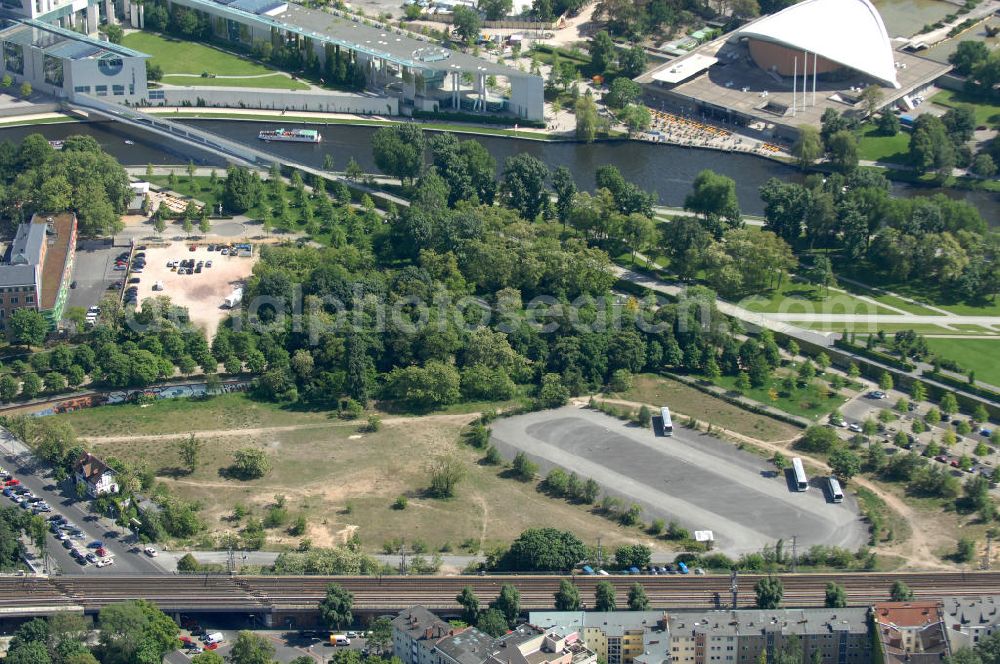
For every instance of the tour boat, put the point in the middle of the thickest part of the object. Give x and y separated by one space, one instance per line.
291 135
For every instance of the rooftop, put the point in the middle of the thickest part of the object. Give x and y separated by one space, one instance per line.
60 42
350 31
61 238
785 621
26 249
420 623
469 646
964 612
91 468
907 614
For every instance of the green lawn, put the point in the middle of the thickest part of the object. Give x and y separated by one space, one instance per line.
986 113
176 56
981 355
801 297
874 147
39 121
275 81
864 328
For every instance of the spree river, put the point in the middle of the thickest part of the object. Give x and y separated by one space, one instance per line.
668 170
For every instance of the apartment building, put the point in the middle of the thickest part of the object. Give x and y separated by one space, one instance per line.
739 637
911 632
527 644
967 620
618 637
416 633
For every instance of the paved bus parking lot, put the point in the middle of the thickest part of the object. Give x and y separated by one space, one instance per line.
702 482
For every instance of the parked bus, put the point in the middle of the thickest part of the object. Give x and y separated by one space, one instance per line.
668 425
836 494
801 481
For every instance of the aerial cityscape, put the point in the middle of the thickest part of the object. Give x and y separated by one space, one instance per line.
500 331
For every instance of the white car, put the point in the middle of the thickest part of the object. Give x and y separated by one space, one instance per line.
150 551
855 427
104 562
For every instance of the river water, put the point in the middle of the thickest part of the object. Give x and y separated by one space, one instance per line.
668 170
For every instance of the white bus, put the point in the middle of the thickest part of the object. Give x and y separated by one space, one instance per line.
668 425
801 481
836 493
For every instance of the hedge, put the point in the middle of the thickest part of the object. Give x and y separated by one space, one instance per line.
478 119
962 385
884 358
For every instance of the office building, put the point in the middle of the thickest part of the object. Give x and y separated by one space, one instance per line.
37 267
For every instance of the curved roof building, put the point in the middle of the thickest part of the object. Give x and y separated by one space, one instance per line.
835 34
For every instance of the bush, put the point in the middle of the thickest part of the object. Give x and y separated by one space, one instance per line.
492 457
400 503
523 468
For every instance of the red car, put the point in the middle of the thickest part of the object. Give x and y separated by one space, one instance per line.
102 552
12 482
211 646
193 247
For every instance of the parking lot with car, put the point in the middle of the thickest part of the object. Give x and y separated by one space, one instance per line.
78 541
94 272
867 406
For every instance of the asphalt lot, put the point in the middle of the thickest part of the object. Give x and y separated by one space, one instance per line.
702 482
93 272
287 645
38 478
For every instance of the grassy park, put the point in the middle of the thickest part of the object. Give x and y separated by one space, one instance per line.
184 62
873 146
986 113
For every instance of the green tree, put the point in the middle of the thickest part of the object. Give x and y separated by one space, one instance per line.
446 474
543 550
379 638
769 591
31 385
523 184
399 151
808 147
493 622
250 648
250 463
208 657
495 9
900 592
508 602
843 147
637 599
714 197
604 596
568 596
189 450
467 23
885 381
966 550
523 468
242 189
845 463
948 404
602 52
470 605
836 596
335 608
622 92
27 327
588 122
636 117
633 61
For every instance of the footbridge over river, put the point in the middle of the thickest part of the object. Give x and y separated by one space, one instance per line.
236 152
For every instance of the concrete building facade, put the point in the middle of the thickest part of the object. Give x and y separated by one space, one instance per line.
618 637
64 63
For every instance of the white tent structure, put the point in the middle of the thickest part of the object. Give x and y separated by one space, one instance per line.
817 34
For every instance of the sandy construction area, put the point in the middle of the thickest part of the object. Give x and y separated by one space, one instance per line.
202 293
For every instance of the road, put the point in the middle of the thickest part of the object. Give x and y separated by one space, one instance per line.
38 478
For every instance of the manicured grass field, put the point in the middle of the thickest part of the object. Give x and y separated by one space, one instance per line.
873 146
980 355
274 81
864 328
795 296
344 481
986 113
177 56
659 391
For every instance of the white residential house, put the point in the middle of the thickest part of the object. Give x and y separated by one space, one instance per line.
97 475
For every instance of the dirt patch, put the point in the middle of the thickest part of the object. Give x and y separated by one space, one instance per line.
202 293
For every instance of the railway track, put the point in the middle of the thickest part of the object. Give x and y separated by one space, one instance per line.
253 594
